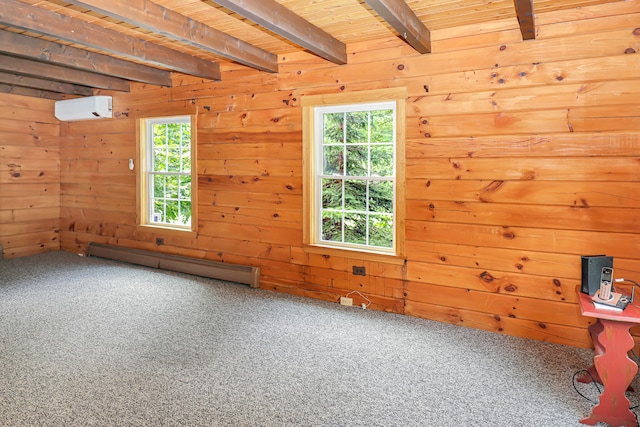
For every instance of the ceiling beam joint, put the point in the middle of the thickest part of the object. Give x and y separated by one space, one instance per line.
277 18
403 19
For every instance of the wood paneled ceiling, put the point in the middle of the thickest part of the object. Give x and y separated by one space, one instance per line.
57 49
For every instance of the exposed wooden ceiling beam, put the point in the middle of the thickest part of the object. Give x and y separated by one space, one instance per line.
33 93
48 85
404 20
55 72
42 50
524 11
153 17
277 18
20 15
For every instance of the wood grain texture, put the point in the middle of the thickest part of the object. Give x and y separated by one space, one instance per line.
29 176
520 157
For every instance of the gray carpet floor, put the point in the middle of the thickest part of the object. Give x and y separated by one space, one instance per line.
92 342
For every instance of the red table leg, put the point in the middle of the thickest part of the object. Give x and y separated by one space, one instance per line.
595 330
592 373
612 341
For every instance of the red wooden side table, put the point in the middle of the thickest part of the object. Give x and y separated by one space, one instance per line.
611 364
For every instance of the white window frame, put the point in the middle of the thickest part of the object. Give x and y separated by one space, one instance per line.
313 109
319 174
146 175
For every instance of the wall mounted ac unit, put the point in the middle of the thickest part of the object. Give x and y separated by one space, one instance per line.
87 108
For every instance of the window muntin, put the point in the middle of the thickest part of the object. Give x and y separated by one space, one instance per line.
168 172
355 176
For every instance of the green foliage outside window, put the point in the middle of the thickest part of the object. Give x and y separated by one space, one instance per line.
170 173
357 184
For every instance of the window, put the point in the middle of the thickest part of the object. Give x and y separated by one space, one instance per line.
353 152
167 176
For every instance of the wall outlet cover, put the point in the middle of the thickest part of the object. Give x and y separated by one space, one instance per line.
346 301
359 270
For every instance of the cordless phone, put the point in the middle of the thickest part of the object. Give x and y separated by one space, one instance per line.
606 280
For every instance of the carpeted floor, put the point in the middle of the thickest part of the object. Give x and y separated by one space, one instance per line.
92 342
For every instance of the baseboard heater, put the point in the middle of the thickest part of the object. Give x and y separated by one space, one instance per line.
198 267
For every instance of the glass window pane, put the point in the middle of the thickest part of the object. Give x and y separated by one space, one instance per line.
355 202
158 211
355 230
381 196
381 160
355 195
169 145
185 213
174 135
174 160
186 160
333 160
159 129
357 160
159 159
158 186
185 187
333 128
186 135
382 126
171 186
159 135
381 230
331 226
357 127
331 194
171 207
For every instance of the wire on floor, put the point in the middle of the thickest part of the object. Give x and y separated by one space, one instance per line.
595 384
363 297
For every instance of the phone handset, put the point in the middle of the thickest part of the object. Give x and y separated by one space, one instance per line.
606 280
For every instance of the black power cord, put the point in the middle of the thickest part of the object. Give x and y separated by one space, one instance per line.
622 280
595 384
593 381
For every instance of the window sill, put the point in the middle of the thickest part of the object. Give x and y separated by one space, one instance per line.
182 232
355 253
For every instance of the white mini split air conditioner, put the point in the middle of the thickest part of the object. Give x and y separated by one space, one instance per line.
87 108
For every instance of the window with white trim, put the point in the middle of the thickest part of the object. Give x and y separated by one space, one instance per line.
351 172
355 175
167 181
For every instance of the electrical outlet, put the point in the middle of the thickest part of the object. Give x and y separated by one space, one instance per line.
346 301
159 241
359 271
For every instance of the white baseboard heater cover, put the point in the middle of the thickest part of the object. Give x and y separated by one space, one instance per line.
199 267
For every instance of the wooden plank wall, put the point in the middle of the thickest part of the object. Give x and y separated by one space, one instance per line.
29 176
521 156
